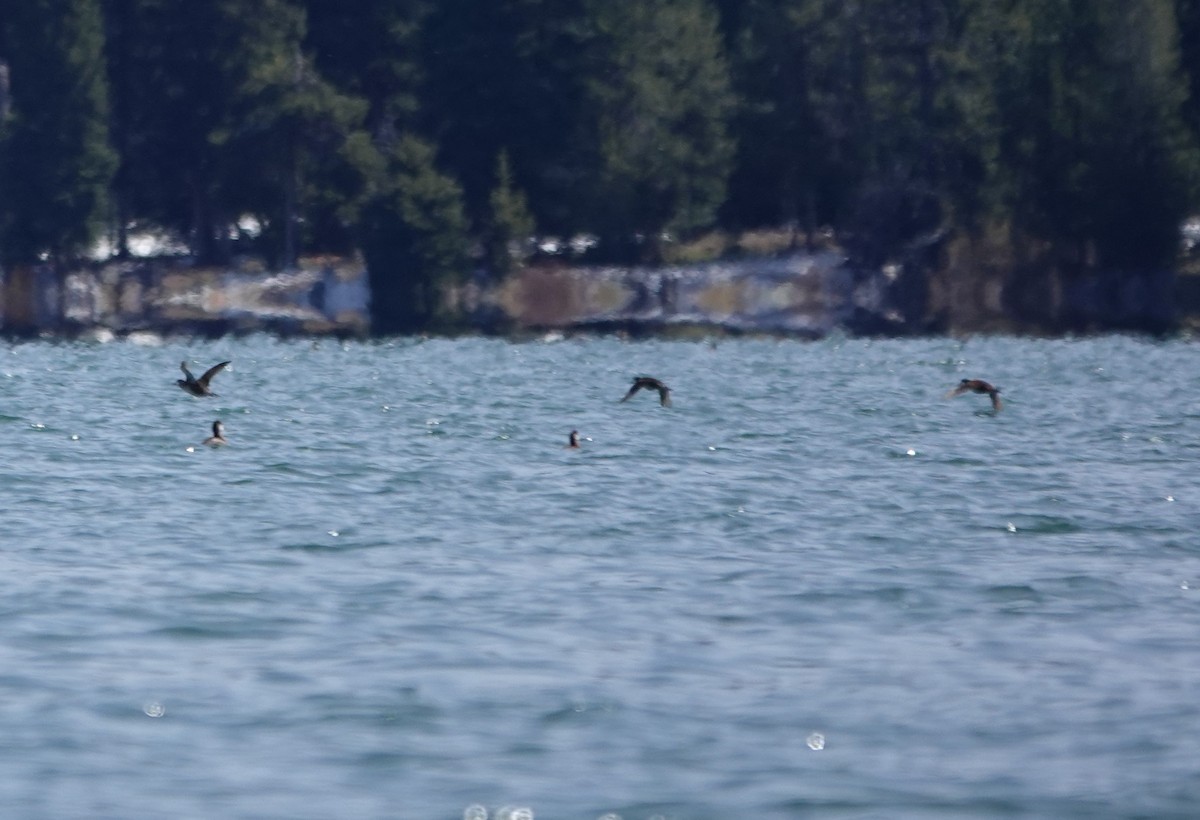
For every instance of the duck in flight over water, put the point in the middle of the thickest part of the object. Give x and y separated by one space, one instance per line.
664 392
199 387
978 386
218 436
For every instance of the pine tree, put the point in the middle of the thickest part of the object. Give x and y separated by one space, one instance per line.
292 130
221 114
414 238
507 75
510 224
659 102
371 49
1091 152
797 155
56 162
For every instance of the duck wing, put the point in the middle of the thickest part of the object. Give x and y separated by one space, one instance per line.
212 371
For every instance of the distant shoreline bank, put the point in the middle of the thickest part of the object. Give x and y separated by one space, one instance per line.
796 294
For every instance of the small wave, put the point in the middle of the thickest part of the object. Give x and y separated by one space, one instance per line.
1046 525
1089 585
573 712
335 544
1005 593
313 546
284 468
223 633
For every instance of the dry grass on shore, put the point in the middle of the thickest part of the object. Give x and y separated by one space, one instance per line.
760 242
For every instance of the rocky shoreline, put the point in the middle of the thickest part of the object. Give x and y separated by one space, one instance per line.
805 295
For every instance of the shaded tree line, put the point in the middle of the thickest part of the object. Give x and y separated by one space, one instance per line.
434 135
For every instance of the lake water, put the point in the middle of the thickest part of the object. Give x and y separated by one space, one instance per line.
813 587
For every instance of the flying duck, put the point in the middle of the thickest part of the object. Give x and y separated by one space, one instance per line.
978 386
198 387
664 392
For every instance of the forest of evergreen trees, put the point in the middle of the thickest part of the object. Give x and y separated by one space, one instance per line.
426 133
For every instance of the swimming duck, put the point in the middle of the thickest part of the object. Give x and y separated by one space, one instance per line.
198 387
573 440
664 392
978 386
218 436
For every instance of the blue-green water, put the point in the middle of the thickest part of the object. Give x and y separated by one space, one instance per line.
813 587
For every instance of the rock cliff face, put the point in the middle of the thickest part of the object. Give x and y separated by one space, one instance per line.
941 287
320 296
796 294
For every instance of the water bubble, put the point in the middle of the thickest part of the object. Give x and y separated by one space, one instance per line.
1170 498
1184 585
154 709
74 437
514 813
189 449
1011 527
910 452
475 812
815 741
334 533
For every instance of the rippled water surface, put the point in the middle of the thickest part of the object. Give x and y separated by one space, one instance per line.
813 587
